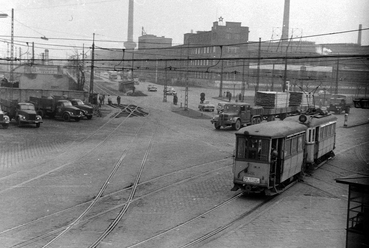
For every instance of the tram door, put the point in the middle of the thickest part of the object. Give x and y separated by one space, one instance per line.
273 162
277 158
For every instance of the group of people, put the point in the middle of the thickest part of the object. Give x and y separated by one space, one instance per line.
110 102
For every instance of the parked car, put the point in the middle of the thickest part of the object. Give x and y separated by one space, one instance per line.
86 110
152 88
220 107
171 91
206 106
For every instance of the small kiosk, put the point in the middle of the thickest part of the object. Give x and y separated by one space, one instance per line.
357 227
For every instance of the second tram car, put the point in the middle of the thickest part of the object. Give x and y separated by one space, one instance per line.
270 155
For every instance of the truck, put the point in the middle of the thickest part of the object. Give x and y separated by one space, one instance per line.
86 110
361 103
4 119
56 107
268 106
338 104
239 114
21 112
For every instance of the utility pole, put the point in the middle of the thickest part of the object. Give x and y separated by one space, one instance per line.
272 88
258 69
221 79
33 53
12 48
243 81
165 82
337 74
91 92
221 74
188 62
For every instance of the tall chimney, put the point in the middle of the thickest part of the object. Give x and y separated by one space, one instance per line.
359 35
129 44
286 20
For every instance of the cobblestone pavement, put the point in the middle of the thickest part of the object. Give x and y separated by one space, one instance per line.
310 214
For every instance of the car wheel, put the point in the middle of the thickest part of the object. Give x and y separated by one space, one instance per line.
216 125
5 126
38 125
19 122
66 117
237 125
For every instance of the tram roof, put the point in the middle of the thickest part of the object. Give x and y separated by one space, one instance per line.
314 120
273 129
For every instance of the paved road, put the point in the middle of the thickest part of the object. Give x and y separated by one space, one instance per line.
50 175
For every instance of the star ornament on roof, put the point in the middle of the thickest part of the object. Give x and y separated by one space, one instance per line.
220 19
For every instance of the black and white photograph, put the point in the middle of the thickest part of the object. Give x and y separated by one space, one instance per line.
184 123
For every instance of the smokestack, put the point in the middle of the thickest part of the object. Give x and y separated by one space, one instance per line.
129 44
359 35
286 20
46 55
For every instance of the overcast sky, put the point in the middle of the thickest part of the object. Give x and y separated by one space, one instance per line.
60 20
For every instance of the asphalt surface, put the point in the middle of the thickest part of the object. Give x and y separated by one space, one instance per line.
186 173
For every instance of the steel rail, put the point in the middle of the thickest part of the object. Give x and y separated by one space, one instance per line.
70 148
115 222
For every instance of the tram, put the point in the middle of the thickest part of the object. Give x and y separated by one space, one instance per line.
271 155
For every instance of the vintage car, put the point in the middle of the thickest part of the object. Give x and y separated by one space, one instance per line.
171 91
151 88
206 106
86 110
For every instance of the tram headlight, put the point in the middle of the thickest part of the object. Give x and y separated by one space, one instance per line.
302 118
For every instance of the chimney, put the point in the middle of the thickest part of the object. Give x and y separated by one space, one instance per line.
286 20
129 44
46 55
359 35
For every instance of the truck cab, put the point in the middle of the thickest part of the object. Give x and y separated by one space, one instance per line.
86 110
237 115
65 110
338 104
25 113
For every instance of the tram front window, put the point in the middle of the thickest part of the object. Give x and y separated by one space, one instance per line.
253 148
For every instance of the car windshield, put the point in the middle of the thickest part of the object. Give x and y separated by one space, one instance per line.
67 104
78 102
231 108
27 107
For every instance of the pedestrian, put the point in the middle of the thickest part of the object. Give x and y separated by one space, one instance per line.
100 99
103 99
109 100
229 96
118 100
175 99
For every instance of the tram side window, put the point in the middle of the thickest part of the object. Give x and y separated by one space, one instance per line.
241 147
287 148
300 144
294 146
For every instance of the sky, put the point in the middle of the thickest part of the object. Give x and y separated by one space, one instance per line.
69 25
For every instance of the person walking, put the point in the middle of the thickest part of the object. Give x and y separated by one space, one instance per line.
109 100
118 100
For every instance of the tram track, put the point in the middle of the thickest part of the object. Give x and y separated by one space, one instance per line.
84 221
70 148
